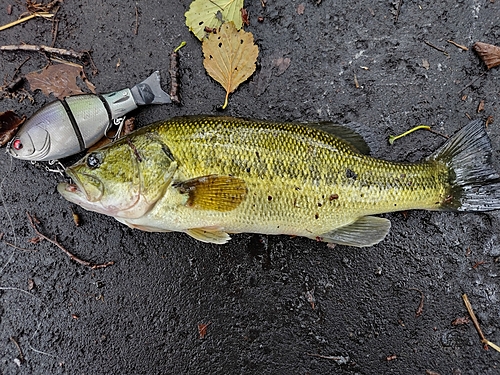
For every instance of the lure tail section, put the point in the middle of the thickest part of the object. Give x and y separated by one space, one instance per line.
474 184
149 91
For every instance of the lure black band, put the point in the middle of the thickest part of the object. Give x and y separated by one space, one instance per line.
108 109
74 124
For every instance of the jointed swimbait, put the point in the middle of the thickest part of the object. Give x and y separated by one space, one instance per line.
66 127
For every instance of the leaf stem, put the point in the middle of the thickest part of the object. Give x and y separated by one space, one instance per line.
183 43
392 138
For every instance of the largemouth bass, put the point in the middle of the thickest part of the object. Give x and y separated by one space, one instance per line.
210 176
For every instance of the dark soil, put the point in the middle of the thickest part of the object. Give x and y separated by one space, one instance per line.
141 315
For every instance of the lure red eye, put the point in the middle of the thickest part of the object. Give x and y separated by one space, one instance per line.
17 144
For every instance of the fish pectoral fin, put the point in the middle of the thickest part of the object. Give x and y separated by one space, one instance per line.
214 192
210 235
364 232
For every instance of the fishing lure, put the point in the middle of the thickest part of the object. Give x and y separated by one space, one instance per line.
65 127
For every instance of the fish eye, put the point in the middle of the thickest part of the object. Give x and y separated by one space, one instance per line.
17 144
94 160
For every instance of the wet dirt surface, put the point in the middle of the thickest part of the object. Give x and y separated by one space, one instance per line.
273 303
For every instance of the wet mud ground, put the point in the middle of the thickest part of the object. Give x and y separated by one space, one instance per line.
273 304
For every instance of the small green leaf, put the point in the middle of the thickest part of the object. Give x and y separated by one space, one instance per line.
211 14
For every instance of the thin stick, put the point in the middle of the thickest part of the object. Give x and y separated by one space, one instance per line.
40 352
484 340
94 68
420 309
21 356
27 18
398 10
18 290
464 48
136 30
438 133
68 253
174 74
474 320
472 82
435 47
55 30
42 48
339 359
16 72
17 247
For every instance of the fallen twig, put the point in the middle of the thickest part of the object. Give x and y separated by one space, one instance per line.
489 121
26 18
420 309
341 360
435 47
17 247
458 45
484 341
472 82
174 74
477 264
21 356
398 10
202 329
19 290
47 49
136 29
68 253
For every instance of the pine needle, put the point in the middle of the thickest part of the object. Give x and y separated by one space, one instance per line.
27 18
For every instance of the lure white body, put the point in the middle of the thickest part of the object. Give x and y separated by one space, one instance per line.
66 127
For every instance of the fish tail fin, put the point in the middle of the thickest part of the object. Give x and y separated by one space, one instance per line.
474 184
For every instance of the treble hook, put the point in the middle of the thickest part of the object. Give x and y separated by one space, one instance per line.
120 121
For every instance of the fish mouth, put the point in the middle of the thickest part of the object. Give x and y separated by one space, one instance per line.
79 193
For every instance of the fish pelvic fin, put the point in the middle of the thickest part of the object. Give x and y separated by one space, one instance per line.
209 235
474 184
365 231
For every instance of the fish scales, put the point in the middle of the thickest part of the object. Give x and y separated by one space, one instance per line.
209 176
292 172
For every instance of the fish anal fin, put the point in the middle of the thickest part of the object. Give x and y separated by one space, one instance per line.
214 192
364 232
210 235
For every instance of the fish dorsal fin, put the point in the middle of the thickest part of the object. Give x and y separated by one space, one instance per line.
364 232
213 192
346 134
210 235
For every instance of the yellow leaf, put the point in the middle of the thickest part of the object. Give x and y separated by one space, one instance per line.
211 14
230 57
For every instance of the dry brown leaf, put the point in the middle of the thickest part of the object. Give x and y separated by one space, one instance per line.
230 57
58 79
9 122
489 53
202 330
